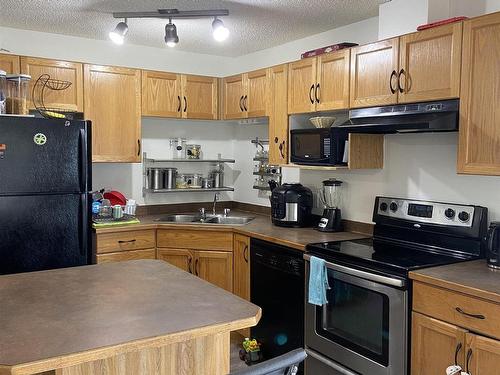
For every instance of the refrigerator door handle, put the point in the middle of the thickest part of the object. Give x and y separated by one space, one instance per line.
83 161
84 225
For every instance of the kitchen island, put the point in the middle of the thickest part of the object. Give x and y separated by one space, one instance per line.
136 317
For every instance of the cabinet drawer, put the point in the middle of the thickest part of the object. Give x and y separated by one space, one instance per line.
192 239
124 241
462 310
126 255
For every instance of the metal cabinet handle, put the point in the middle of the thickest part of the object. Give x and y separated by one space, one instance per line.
185 104
179 101
245 255
393 74
311 93
245 100
476 316
139 147
241 103
129 241
400 87
316 93
190 261
281 148
457 350
196 270
469 356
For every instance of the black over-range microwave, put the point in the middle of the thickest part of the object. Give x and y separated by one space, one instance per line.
323 146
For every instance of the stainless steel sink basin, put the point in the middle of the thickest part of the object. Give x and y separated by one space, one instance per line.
229 220
210 219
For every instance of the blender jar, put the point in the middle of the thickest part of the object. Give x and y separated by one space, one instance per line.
3 91
17 94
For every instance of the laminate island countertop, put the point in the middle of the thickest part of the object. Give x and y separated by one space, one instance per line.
261 227
136 317
474 278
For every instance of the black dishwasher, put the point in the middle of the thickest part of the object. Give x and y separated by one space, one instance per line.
277 286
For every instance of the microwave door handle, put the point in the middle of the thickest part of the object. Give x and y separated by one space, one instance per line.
363 274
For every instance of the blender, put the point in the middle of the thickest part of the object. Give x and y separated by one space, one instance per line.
330 196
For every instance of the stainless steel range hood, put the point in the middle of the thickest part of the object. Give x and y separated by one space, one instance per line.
439 116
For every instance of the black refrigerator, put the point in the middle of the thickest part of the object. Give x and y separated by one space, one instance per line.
45 204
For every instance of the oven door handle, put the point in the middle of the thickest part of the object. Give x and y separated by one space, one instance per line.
363 274
340 369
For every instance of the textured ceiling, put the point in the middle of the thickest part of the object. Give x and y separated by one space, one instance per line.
254 24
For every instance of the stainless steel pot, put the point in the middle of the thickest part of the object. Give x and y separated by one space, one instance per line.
169 176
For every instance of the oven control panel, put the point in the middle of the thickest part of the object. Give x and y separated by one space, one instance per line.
426 212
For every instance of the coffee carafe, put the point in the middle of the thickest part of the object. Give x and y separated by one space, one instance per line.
330 196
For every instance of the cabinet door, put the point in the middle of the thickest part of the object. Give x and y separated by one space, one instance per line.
333 80
9 63
241 253
479 131
301 86
373 74
70 98
430 64
233 93
126 255
216 267
278 115
161 94
255 100
199 96
434 344
485 355
113 104
181 258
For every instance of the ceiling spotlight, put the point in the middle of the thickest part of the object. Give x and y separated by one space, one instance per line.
171 37
220 31
118 34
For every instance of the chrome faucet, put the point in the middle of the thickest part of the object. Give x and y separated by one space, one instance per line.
216 198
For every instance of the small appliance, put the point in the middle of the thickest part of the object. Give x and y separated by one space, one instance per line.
330 197
291 205
493 248
320 146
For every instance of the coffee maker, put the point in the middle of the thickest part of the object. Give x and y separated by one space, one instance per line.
330 197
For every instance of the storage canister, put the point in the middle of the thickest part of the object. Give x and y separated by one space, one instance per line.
17 94
169 177
156 178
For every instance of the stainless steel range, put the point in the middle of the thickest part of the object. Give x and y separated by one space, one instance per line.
364 327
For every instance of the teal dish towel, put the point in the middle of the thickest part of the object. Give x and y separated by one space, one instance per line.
318 281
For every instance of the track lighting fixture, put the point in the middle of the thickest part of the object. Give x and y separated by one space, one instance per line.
118 34
171 37
220 32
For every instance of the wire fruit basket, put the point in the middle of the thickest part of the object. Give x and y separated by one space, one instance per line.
43 85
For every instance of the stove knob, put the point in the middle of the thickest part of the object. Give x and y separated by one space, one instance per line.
383 206
464 216
393 206
449 213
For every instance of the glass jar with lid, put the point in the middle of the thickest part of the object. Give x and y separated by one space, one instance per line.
17 94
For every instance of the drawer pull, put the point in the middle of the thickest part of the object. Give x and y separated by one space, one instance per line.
477 316
129 241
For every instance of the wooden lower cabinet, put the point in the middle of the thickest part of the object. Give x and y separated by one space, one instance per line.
485 355
126 255
241 252
181 258
216 267
434 344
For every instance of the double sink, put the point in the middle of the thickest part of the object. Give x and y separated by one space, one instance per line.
209 219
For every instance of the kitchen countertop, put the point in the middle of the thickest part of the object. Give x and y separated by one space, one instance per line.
57 318
474 278
261 227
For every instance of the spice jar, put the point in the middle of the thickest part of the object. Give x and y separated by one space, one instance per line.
3 91
193 151
17 94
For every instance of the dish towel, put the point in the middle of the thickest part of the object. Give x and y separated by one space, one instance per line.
318 281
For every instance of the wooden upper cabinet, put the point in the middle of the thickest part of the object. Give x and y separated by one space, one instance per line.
430 64
199 96
233 94
278 115
301 86
113 104
333 80
216 267
256 96
374 69
434 344
70 98
241 251
9 63
479 130
485 355
161 94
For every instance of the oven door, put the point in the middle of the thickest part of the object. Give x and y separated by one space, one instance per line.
364 325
